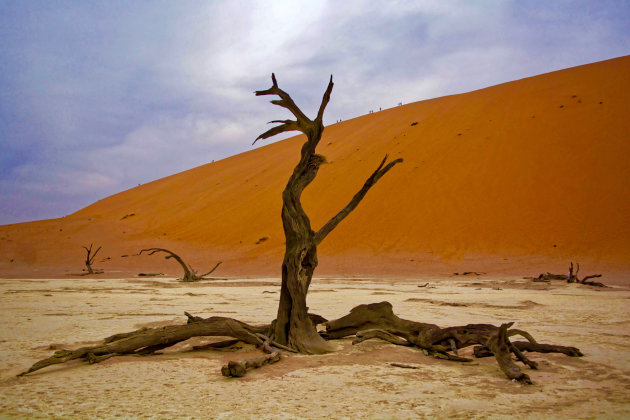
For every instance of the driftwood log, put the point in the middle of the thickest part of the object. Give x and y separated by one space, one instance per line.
190 274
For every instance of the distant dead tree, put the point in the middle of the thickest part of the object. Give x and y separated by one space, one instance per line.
293 327
89 259
190 274
573 277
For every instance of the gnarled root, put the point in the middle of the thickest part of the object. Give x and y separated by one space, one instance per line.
148 340
377 320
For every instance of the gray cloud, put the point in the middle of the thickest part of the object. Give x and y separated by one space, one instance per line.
96 97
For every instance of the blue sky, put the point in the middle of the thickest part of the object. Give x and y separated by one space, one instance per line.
100 96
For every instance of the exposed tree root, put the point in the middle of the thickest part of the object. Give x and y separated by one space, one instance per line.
149 340
377 320
365 322
146 341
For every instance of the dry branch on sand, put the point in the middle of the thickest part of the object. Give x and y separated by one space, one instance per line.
190 274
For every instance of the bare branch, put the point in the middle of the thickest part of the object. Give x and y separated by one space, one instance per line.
288 125
285 102
376 175
325 100
211 271
94 255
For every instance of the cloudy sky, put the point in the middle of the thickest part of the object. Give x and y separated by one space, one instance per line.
99 96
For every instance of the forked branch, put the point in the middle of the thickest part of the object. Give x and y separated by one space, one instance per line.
89 259
302 123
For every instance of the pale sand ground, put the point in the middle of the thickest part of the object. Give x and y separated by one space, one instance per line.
355 382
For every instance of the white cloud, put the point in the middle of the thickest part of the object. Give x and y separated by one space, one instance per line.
98 98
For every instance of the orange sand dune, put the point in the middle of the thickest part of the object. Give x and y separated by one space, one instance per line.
524 176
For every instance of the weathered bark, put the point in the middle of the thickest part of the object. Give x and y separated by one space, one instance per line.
89 259
148 340
190 274
145 341
377 320
293 327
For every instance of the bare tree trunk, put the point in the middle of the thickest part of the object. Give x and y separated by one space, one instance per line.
89 259
293 326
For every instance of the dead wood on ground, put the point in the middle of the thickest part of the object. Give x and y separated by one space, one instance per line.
365 322
377 320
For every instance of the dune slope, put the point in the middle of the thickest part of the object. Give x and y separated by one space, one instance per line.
533 171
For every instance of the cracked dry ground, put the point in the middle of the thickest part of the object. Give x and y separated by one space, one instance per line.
354 382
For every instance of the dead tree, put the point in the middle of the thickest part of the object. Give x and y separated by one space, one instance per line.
89 259
377 320
293 327
189 273
573 277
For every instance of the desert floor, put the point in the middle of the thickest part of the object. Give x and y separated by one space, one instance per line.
38 316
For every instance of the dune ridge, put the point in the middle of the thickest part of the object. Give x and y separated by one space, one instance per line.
524 175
